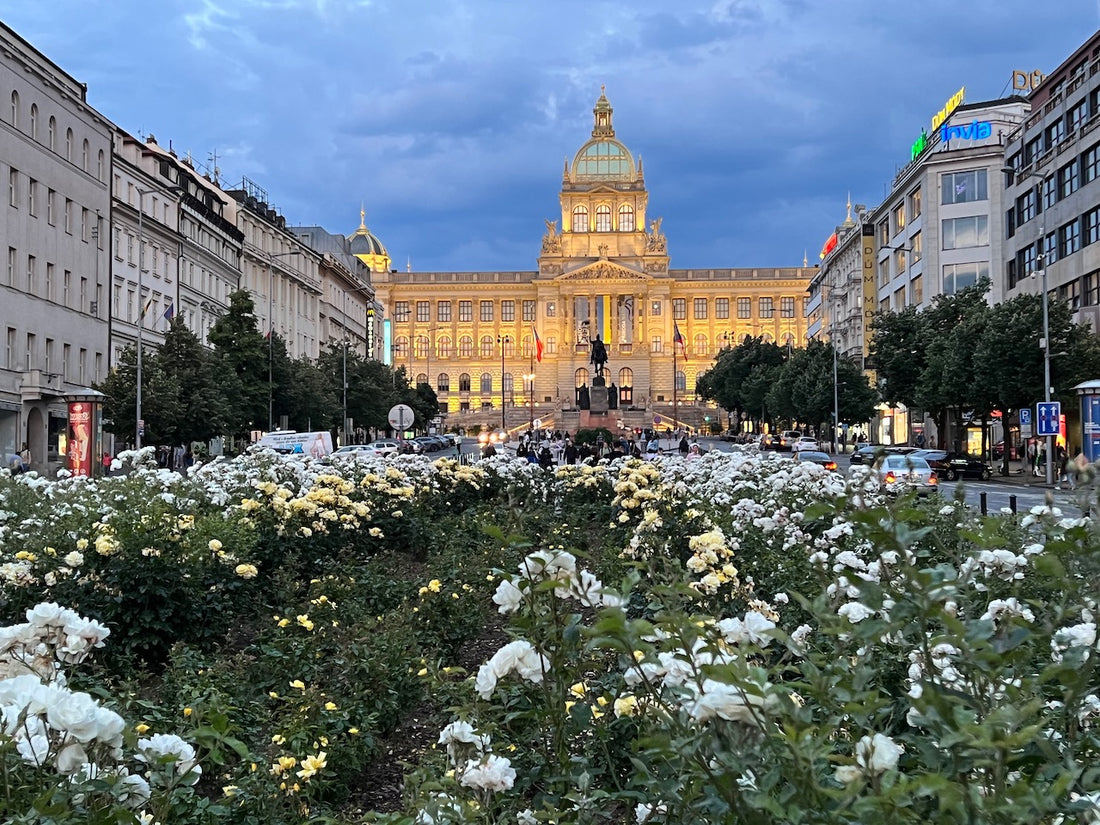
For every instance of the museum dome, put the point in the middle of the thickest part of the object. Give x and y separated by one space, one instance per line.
365 242
603 158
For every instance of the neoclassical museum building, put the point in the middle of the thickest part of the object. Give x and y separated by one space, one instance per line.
476 337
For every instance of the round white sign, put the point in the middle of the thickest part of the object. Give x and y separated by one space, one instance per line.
401 417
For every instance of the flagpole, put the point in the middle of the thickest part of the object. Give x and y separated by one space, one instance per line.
675 375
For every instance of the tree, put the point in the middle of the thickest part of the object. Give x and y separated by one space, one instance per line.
239 347
160 399
803 390
201 384
740 376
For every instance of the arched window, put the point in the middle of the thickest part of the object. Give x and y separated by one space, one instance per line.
603 218
580 219
701 345
626 377
443 382
423 345
401 347
421 379
444 346
69 145
99 173
767 338
84 153
486 383
52 134
509 383
15 109
486 346
34 121
681 381
626 218
466 347
581 377
464 382
526 346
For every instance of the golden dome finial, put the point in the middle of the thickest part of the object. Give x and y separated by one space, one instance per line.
362 216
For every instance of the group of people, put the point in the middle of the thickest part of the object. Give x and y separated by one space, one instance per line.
562 448
20 462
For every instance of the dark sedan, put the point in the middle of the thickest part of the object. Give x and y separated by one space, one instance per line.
867 453
815 457
956 465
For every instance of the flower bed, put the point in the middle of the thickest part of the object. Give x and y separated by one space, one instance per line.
729 639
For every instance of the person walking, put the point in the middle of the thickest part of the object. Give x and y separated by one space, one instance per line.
25 457
570 452
683 448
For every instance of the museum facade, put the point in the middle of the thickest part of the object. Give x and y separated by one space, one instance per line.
523 341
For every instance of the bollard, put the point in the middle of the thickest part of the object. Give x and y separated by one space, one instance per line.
1012 503
984 503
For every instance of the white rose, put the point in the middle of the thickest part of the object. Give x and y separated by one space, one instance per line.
855 612
71 758
74 559
491 773
75 713
878 753
508 596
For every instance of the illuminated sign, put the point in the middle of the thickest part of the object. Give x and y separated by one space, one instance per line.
870 301
830 245
922 143
975 130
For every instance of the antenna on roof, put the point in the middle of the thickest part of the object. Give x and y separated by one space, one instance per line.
213 157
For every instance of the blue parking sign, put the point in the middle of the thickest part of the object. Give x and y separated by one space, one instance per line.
1048 416
1025 416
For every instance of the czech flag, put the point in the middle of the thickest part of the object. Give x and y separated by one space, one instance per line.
170 313
677 338
538 345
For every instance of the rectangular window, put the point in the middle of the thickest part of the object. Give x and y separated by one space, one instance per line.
964 187
916 290
900 261
465 311
786 307
400 311
1050 192
884 233
32 265
1069 238
9 352
899 297
49 281
884 272
1092 226
1092 289
1025 207
51 196
1069 179
1091 163
508 311
32 197
959 233
83 295
699 306
528 312
722 308
744 308
767 307
13 188
679 309
899 218
1078 115
914 204
1056 133
68 216
423 312
957 277
486 311
49 356
443 311
11 266
915 247
66 358
1050 248
83 365
32 343
551 309
1032 149
656 344
551 345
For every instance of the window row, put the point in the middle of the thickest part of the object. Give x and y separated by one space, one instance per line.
1083 169
1059 243
43 279
789 307
489 346
1058 131
603 219
42 202
51 137
30 351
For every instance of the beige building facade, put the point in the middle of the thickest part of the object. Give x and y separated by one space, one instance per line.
606 274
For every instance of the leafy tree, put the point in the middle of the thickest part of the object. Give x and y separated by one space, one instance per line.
803 390
245 353
160 399
740 376
201 384
898 354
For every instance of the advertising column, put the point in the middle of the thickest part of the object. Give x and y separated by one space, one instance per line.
81 428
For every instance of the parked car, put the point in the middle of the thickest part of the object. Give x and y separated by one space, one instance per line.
956 465
805 443
382 448
899 473
428 444
999 451
815 457
788 438
866 454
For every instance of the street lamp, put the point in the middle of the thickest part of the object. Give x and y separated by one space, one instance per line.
502 340
529 380
141 193
344 424
1040 258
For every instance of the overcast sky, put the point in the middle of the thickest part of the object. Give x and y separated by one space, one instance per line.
450 121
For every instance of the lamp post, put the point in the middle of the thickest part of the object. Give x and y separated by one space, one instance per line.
529 379
1041 270
502 340
344 312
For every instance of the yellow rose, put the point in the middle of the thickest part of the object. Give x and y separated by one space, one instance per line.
298 683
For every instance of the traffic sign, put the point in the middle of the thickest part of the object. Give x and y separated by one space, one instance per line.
401 417
1048 418
1025 416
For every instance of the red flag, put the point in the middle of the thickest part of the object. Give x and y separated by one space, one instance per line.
677 338
538 345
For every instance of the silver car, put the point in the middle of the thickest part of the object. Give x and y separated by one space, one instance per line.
899 473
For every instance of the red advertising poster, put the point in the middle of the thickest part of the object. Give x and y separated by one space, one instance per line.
80 438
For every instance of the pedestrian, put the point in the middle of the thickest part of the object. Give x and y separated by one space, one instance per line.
653 448
488 451
920 441
694 453
546 459
570 452
25 457
15 464
106 463
683 447
1062 458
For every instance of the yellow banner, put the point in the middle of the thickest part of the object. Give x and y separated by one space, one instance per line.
869 292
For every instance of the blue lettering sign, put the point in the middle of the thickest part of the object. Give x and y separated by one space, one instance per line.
975 130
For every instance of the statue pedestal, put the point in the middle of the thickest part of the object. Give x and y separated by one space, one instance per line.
598 402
